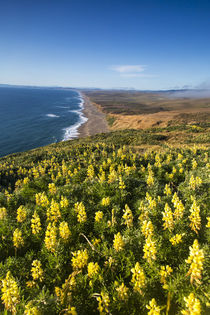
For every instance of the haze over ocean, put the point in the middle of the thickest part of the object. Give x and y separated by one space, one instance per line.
33 117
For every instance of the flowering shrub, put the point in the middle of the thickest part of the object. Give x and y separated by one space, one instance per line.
99 228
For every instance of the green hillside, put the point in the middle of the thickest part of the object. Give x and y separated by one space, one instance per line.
117 223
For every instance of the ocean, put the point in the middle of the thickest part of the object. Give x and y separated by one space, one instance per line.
34 117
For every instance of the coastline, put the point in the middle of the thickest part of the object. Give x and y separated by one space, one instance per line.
96 120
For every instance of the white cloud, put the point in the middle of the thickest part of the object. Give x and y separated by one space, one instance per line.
132 71
140 75
129 68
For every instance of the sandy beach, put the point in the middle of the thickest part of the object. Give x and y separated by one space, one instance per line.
96 122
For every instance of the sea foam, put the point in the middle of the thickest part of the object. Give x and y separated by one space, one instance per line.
52 115
72 131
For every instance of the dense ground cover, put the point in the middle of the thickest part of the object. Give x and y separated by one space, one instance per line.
100 227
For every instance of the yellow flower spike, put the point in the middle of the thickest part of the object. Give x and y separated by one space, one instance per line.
192 304
167 190
149 250
168 222
153 308
118 242
64 202
138 278
53 212
176 239
122 292
195 259
195 220
3 213
99 216
93 269
42 200
37 271
31 310
79 259
51 238
103 303
64 231
128 217
147 228
10 293
90 172
21 214
52 188
35 223
81 213
150 178
121 183
17 238
105 201
208 223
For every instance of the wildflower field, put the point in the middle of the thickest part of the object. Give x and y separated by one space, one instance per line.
102 228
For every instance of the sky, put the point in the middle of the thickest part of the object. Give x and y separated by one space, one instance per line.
159 44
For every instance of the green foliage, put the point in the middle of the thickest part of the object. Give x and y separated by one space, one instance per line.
102 189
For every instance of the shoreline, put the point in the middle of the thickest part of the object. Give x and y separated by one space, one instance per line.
96 120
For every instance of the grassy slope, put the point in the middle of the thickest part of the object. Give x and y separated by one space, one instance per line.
80 154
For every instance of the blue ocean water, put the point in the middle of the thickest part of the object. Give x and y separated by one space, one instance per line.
34 117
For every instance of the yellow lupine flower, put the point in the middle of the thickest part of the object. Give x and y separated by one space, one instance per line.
35 223
192 304
167 190
150 178
99 216
93 269
103 303
176 239
21 214
168 222
195 220
128 217
138 278
10 293
195 182
149 250
147 228
79 259
194 164
31 310
53 212
152 202
208 223
122 292
51 238
64 231
64 202
52 188
105 201
153 308
3 213
121 183
118 242
37 271
80 210
42 200
195 260
90 171
17 238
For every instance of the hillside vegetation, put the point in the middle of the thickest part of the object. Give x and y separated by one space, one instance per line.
117 223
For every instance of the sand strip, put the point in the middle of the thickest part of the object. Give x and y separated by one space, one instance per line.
96 122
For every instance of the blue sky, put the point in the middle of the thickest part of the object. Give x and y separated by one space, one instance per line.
159 44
